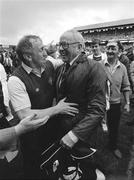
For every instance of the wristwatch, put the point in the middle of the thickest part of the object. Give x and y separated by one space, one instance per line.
128 103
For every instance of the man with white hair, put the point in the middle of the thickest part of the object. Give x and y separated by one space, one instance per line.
81 81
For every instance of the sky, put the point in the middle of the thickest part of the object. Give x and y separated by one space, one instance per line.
50 18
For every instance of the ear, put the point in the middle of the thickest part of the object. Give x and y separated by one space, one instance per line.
27 57
79 46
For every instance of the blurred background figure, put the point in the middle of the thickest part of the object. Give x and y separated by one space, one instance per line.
120 83
130 53
7 63
88 49
124 59
53 54
96 49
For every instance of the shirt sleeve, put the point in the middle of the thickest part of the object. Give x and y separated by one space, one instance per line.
8 139
73 137
3 79
18 94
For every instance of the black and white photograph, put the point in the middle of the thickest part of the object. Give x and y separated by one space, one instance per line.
67 89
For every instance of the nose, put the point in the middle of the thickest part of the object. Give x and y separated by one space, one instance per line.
109 50
44 53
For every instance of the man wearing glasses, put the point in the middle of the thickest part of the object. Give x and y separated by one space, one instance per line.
81 81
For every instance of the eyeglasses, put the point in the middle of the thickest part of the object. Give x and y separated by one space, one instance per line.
66 45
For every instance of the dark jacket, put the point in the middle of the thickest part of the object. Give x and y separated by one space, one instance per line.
86 86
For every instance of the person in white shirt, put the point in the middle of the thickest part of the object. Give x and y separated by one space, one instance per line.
96 49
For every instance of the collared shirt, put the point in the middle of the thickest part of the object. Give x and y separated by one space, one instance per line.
101 57
120 82
20 99
112 68
35 71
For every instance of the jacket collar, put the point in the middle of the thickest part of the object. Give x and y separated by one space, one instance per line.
107 63
80 59
29 70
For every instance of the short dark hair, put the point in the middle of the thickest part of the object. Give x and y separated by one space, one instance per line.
25 46
95 41
120 46
87 43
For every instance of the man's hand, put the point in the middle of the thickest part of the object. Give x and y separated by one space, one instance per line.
30 123
127 108
66 108
67 142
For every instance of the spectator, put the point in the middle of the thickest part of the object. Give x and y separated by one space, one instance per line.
120 83
124 59
53 55
3 80
130 54
88 49
97 54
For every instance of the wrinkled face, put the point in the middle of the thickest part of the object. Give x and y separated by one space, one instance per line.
38 53
112 51
96 49
68 49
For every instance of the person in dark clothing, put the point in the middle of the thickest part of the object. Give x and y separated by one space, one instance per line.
3 122
130 54
124 59
11 169
31 90
82 81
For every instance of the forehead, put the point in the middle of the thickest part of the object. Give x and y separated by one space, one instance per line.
36 42
112 44
66 39
71 36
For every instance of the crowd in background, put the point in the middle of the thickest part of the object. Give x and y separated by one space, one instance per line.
95 51
9 59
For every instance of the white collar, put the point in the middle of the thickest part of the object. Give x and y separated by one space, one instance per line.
26 68
73 60
29 69
106 62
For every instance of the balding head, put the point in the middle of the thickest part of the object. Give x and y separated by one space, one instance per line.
71 45
72 36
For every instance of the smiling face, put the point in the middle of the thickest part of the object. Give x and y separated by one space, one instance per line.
69 46
38 53
112 51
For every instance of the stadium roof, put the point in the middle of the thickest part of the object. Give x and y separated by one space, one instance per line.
107 24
